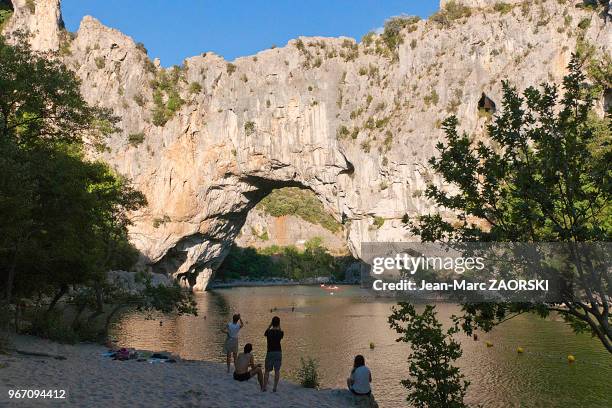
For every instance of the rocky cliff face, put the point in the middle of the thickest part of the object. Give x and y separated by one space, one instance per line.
351 121
478 3
42 19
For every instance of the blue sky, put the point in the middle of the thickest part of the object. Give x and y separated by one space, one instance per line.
174 30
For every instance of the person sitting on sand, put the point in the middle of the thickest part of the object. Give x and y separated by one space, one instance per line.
230 348
274 356
245 367
361 377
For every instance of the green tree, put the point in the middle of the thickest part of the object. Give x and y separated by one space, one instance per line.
43 121
17 192
545 176
40 101
147 299
434 382
392 33
64 218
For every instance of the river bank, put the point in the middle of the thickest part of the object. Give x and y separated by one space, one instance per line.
237 283
333 329
93 380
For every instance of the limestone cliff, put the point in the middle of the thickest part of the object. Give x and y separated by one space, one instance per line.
478 3
262 230
354 122
42 19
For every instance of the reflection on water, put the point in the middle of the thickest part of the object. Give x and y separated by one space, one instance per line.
335 328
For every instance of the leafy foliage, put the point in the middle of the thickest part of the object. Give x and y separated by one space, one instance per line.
301 203
431 99
434 381
136 138
49 109
249 128
64 218
392 33
342 132
100 62
598 67
544 177
50 325
452 11
283 261
503 8
308 373
195 88
378 222
6 13
166 94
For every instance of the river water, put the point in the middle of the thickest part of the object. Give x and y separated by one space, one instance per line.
334 328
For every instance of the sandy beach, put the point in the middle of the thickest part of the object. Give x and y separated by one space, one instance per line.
92 380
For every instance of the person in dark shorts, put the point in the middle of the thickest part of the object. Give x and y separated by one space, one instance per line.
274 355
245 366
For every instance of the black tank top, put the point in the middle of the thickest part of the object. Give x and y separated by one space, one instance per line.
274 337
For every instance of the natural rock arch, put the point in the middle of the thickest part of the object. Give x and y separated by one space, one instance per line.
200 272
340 118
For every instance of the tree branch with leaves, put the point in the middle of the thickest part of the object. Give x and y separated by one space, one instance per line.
543 175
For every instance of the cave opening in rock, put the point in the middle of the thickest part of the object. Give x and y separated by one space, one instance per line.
486 104
288 235
279 230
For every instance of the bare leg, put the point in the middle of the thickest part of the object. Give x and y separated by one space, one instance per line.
348 383
257 371
229 361
276 378
234 355
260 379
266 379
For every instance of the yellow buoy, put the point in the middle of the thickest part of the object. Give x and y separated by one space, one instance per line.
571 358
489 344
520 350
372 346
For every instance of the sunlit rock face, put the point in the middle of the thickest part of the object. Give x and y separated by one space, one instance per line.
478 3
42 19
355 126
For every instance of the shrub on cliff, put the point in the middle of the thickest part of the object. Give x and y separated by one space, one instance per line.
502 8
392 33
166 94
452 11
135 139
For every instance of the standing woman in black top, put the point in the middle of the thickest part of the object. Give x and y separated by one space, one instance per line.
274 356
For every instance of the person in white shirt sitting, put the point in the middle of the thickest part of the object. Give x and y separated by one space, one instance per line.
361 377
